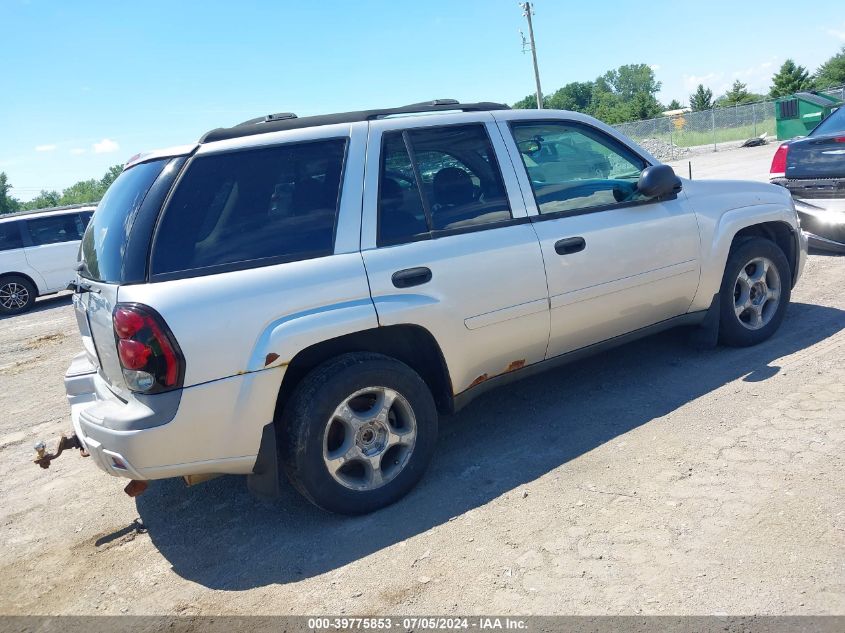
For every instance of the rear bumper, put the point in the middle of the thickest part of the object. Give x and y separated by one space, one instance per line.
823 220
216 428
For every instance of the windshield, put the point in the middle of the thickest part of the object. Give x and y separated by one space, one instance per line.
835 122
104 242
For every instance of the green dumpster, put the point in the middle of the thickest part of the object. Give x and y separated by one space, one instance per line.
799 113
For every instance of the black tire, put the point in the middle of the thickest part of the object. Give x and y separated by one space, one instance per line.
12 291
304 422
732 330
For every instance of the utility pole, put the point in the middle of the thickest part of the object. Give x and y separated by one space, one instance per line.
527 11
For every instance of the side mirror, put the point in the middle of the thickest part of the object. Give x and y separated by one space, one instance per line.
657 181
529 146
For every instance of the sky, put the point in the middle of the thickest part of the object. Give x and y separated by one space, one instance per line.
87 84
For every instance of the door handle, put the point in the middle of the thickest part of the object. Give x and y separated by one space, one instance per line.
569 245
411 277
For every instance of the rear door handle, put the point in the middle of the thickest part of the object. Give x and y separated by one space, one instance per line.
411 277
569 245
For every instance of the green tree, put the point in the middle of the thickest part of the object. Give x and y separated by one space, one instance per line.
701 99
624 94
790 79
674 104
606 105
43 200
8 204
576 96
737 95
832 73
632 79
111 175
627 93
528 103
82 192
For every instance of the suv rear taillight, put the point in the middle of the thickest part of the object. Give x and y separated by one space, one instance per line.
778 169
149 355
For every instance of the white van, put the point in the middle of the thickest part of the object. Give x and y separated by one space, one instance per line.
38 254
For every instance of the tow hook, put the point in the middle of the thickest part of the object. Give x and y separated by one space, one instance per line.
44 458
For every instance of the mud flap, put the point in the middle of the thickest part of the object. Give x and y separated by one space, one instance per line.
264 480
706 335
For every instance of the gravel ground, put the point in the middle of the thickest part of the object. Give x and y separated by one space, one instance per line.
653 479
730 162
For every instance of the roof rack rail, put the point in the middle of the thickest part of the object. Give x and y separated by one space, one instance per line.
67 207
279 116
289 121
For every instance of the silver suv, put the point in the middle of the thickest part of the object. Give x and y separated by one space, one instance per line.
307 294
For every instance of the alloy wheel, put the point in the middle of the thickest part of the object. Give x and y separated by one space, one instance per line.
13 296
369 438
757 292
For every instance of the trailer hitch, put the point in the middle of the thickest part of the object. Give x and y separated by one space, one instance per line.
44 458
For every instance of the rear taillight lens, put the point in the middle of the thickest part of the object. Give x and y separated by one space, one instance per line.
779 161
148 352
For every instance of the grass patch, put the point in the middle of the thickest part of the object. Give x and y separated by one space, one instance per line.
692 138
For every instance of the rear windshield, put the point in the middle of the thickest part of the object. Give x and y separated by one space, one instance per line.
835 122
251 208
104 242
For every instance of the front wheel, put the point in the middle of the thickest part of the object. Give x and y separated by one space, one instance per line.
16 295
359 432
754 294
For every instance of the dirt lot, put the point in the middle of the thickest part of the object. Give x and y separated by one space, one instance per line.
652 479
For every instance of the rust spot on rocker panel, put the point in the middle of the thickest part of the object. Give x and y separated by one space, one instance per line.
478 381
517 364
271 358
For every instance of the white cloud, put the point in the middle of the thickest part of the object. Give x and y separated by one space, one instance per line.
757 78
45 148
106 146
691 81
838 34
76 151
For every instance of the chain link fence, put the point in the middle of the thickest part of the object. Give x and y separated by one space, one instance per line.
671 137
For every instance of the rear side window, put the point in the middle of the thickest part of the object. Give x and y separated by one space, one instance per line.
105 239
10 236
438 179
54 229
252 207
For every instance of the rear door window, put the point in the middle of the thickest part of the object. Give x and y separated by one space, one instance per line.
251 208
53 229
10 236
438 179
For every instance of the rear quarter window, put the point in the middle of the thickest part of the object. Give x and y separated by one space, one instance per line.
251 208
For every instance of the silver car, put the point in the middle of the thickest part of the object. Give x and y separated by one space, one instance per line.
306 295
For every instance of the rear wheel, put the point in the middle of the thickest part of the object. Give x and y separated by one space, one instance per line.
17 294
359 432
755 292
